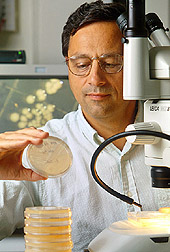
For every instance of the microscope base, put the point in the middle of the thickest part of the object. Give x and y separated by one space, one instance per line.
113 239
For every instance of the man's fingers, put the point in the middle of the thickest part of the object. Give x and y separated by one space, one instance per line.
28 174
22 174
12 145
28 133
21 138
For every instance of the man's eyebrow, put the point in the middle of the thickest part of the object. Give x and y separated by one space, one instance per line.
110 54
80 55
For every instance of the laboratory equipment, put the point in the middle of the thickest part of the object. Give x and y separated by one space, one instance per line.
140 84
142 231
12 57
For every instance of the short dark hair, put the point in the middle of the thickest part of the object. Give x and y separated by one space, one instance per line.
89 13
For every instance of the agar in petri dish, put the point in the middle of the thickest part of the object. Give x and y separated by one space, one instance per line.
51 159
149 219
164 210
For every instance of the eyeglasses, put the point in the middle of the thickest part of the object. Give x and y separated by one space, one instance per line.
81 65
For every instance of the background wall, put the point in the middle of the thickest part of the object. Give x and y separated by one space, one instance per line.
39 25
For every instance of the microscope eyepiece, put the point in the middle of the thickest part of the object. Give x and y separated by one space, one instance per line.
122 22
156 30
153 22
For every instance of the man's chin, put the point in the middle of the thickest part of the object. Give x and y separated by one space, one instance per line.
96 112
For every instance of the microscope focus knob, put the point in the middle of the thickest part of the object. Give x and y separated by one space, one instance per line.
143 139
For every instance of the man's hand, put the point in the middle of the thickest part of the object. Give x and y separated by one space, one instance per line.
12 145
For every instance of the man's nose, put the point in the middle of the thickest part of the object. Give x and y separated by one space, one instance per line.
96 75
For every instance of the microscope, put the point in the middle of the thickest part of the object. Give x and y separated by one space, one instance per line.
146 77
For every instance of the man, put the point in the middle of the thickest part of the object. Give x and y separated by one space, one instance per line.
92 47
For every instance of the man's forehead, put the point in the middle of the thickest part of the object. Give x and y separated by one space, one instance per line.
97 36
98 24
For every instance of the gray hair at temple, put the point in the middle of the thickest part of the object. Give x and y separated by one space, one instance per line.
89 13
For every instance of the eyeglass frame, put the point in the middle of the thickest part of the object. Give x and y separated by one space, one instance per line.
91 59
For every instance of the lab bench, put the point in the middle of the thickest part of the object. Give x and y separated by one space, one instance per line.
14 243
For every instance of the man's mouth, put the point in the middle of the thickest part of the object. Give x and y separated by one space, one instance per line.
97 96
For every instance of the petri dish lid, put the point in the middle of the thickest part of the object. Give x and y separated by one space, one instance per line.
29 248
48 222
52 158
51 245
48 238
44 230
47 212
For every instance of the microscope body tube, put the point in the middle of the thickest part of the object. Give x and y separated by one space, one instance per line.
133 75
136 75
136 19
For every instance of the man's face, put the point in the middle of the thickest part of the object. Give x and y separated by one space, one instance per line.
99 93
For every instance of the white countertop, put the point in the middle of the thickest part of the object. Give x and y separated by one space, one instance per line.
14 243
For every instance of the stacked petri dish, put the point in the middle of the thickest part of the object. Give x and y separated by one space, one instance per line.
48 229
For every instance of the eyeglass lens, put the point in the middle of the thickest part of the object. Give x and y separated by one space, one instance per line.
82 65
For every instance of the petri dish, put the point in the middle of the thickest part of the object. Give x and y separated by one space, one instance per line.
149 219
48 238
59 246
48 221
51 159
48 228
47 212
37 230
29 248
164 210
